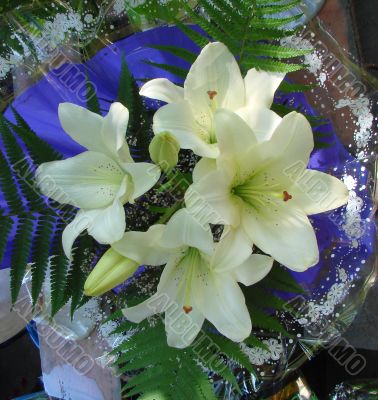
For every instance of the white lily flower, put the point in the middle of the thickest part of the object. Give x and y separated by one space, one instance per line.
264 188
214 81
200 279
98 181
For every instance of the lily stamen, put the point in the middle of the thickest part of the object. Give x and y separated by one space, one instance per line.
286 196
212 94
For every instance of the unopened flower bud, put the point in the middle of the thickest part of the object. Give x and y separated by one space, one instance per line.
112 270
164 150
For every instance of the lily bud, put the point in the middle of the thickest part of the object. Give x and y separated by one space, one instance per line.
112 270
164 150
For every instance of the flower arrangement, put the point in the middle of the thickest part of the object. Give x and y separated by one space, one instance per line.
191 195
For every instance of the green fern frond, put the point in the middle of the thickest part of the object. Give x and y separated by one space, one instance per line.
269 23
266 9
161 370
233 352
39 150
196 37
264 321
139 127
6 225
80 266
41 253
247 29
20 254
271 65
9 188
22 170
274 51
58 277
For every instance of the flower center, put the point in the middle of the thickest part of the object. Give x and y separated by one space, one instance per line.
189 263
262 195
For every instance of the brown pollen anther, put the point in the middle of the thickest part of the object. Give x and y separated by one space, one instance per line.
212 94
287 196
187 309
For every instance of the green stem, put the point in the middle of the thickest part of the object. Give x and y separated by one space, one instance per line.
168 214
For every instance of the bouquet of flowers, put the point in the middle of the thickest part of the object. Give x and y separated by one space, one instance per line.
185 171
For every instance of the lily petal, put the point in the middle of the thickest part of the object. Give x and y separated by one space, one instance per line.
182 329
82 125
233 134
73 230
108 225
156 304
260 87
114 130
203 167
210 199
284 232
222 302
177 119
162 89
216 71
183 229
316 192
144 247
165 296
144 177
291 144
262 121
254 269
233 249
89 180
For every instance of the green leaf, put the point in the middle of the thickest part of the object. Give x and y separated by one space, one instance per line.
264 321
93 103
253 341
281 279
178 71
177 51
139 126
287 87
